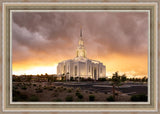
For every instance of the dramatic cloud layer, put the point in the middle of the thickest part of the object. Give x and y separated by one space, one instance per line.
43 39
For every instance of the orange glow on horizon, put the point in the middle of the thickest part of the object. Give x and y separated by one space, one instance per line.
128 65
36 70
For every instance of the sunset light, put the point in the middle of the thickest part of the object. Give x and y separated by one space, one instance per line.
42 40
37 70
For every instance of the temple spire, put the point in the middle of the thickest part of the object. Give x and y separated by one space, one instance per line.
81 40
81 52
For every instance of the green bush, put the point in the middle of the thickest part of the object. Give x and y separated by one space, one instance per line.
38 90
34 84
58 100
78 89
15 87
91 98
34 98
17 96
55 94
44 87
71 79
110 98
50 88
79 95
24 87
101 79
24 97
69 98
140 97
69 90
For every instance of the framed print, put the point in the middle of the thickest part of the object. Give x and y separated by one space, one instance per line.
80 57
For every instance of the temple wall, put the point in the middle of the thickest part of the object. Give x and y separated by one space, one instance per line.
84 69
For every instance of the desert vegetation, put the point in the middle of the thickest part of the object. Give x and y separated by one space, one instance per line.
43 92
50 88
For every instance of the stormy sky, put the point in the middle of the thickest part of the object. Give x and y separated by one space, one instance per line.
118 39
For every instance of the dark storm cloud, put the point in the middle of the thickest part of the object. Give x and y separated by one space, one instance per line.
57 33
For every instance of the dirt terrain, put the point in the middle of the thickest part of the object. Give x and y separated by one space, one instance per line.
67 91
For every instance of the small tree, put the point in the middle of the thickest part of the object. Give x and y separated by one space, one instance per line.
123 78
91 98
115 82
71 79
63 77
144 79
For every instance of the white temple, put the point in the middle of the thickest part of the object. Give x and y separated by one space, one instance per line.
81 66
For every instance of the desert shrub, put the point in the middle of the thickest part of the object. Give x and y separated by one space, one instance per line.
29 84
20 97
69 90
19 84
58 100
140 97
34 84
77 93
50 88
105 92
44 87
71 79
90 92
39 90
80 96
55 94
24 97
17 96
91 98
69 98
78 89
34 98
24 87
64 89
15 92
60 90
101 79
15 87
110 98
72 88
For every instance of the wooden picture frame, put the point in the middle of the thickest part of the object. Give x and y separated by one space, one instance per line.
8 106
